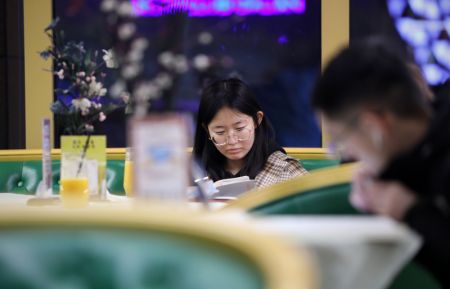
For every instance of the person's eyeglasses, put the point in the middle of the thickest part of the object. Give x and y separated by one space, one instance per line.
222 138
337 145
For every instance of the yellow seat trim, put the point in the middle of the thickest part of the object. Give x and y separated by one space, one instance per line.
316 179
119 154
36 154
309 153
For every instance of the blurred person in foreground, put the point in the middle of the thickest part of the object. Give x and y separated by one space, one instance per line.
375 111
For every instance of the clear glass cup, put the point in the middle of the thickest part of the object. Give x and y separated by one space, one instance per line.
128 173
74 184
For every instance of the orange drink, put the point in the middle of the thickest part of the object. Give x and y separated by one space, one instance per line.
74 192
74 182
128 178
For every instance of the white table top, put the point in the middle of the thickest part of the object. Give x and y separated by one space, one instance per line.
363 252
369 251
21 200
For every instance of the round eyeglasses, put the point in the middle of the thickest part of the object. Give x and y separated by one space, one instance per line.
240 134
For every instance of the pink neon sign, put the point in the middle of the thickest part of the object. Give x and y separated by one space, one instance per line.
201 8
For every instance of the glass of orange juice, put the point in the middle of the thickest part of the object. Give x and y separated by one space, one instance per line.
128 173
74 183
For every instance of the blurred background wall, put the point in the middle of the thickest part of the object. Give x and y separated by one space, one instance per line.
278 52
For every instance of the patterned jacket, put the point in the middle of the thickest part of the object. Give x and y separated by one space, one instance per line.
279 167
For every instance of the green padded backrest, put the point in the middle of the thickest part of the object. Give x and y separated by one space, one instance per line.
114 176
24 176
324 201
71 257
11 178
414 276
314 164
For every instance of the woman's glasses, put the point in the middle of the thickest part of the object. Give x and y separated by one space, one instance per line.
223 138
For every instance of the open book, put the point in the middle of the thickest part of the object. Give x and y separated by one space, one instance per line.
233 187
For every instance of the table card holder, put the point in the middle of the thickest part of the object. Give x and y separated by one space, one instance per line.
92 151
44 192
161 162
44 189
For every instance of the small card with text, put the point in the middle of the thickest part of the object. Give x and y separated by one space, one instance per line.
161 162
91 152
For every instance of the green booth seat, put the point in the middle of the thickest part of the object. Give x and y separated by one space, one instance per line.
23 177
21 170
315 164
156 248
323 192
313 158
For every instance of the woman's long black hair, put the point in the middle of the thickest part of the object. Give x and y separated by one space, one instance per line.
234 94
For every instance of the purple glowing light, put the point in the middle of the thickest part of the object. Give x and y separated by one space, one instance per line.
201 8
283 40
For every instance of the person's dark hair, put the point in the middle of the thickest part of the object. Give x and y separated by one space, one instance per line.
234 94
370 74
